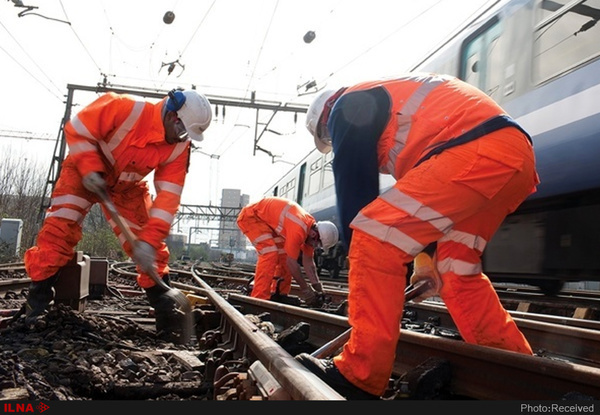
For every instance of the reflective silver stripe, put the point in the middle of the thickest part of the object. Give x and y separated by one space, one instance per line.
405 112
262 237
298 221
126 126
278 239
115 140
121 237
81 129
281 251
388 234
82 147
282 215
168 187
66 213
415 208
106 151
161 214
268 249
467 239
179 148
458 267
130 176
71 200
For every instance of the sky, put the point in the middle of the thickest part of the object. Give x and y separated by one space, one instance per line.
225 48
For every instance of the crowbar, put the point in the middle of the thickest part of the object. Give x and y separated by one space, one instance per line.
411 292
184 306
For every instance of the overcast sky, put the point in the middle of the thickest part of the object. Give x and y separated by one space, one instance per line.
228 48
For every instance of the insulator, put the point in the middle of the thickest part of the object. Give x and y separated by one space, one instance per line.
169 17
309 36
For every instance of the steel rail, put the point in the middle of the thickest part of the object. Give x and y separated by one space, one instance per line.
300 383
478 372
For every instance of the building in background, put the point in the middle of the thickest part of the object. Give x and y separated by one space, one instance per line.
231 239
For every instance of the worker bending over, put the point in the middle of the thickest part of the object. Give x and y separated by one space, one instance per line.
114 143
280 230
461 165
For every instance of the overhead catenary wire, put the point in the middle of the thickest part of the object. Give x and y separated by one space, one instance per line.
57 95
379 42
80 41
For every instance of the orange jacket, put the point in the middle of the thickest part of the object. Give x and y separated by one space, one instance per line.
124 139
287 219
427 109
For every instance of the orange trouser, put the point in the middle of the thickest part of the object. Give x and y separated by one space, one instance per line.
271 265
61 230
476 194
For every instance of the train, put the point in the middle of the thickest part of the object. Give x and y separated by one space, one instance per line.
540 60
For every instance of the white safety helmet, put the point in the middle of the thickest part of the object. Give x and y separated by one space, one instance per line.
328 233
195 112
313 114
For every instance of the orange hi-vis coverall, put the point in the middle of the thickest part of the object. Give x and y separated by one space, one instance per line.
277 228
458 197
124 139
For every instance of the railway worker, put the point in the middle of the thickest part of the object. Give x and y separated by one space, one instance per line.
280 230
461 165
114 142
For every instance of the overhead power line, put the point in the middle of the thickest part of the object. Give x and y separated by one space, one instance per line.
26 135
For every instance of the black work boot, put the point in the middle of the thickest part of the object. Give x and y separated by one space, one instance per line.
328 373
41 294
169 323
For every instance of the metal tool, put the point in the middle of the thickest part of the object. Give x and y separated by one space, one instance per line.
184 306
411 292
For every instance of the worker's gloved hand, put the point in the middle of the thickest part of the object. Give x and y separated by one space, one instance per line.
318 287
145 256
94 182
424 267
312 297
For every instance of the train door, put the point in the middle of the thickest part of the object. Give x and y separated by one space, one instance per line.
481 60
301 182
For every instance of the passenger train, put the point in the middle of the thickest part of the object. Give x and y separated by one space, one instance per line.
540 60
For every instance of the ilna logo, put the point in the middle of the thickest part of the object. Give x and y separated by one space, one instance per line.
24 407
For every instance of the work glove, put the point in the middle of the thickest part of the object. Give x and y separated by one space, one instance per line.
312 297
94 182
318 287
424 267
144 256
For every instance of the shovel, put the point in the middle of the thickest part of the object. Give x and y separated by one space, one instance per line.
184 308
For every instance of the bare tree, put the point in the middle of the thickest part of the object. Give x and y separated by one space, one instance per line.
22 184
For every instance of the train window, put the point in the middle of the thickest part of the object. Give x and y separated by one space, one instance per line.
328 171
287 190
314 179
482 62
565 36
